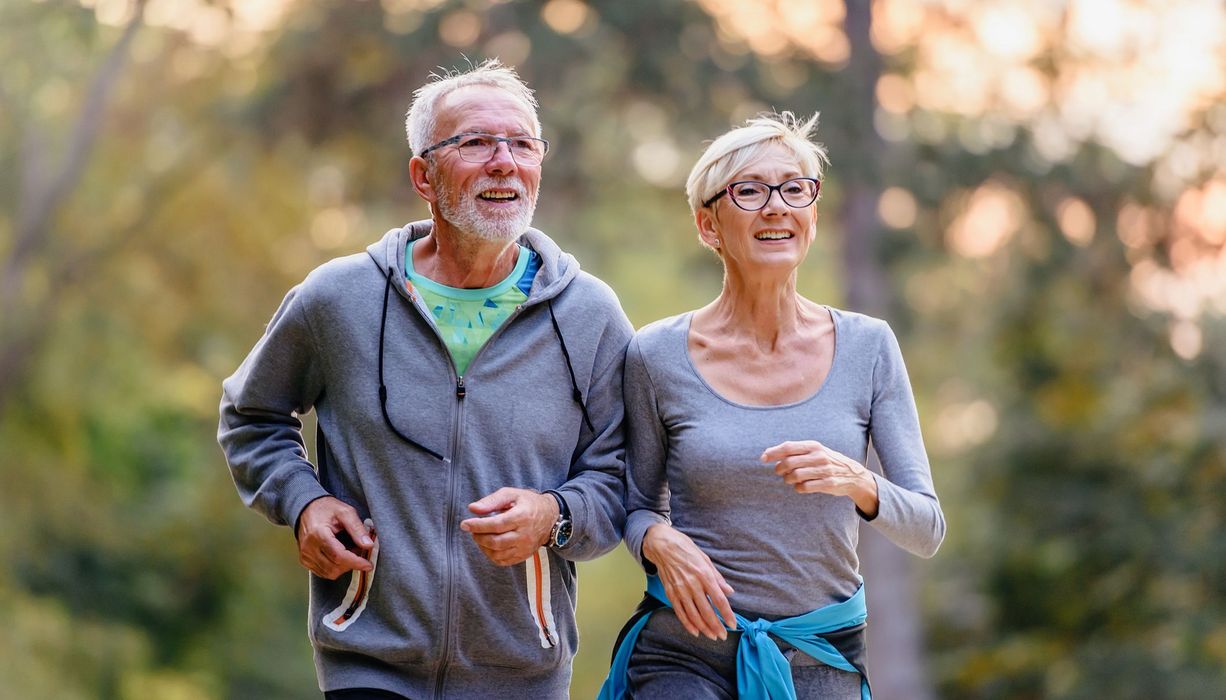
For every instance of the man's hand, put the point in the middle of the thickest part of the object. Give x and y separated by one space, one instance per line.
514 523
319 548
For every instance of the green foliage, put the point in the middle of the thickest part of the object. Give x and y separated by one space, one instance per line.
1083 558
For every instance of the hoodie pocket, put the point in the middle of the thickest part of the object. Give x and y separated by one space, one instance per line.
358 594
517 617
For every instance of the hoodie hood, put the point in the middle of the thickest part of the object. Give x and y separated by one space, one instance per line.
557 269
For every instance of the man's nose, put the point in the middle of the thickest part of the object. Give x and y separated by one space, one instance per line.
502 161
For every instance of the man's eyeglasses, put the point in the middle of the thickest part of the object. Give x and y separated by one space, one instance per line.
479 148
751 195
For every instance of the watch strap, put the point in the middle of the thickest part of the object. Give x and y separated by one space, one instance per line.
563 509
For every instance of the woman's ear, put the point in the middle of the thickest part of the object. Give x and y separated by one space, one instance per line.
708 228
420 178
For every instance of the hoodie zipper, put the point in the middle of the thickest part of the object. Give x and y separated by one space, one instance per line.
449 540
461 391
450 462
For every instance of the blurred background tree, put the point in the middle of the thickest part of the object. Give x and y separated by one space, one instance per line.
1033 195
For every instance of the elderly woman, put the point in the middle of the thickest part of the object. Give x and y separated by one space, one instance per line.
748 425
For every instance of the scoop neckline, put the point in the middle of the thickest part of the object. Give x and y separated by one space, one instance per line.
834 363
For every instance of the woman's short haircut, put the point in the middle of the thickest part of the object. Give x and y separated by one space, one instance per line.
422 118
736 149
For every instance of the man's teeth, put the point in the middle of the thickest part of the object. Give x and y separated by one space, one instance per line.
772 235
499 195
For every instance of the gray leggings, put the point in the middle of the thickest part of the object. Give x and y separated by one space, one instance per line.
668 663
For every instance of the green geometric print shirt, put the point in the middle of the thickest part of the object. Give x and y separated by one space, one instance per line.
466 318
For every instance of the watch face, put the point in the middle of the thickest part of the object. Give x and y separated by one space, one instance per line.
563 536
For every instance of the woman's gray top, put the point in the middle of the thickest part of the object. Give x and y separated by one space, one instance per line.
693 460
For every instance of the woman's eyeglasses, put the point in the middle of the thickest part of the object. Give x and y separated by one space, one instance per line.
751 195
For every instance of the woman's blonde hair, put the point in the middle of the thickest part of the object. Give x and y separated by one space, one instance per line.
736 149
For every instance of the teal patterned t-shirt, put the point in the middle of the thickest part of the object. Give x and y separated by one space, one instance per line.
466 318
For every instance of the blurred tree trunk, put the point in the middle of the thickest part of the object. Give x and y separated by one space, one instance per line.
895 639
43 188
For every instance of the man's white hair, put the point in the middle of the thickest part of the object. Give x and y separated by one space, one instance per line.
422 118
736 149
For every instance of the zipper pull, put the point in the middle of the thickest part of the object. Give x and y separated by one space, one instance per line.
460 391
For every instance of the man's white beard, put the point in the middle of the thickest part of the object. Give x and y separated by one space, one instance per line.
462 212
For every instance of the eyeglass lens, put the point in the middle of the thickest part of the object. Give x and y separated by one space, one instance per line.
752 195
479 148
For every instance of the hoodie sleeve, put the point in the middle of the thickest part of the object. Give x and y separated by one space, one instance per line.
595 490
259 431
647 494
908 511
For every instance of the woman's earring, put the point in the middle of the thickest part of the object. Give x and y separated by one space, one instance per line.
716 242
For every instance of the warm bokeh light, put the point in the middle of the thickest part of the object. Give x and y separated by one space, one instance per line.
566 16
777 27
1076 221
512 47
897 208
1186 339
991 216
657 161
964 425
1127 73
460 28
895 93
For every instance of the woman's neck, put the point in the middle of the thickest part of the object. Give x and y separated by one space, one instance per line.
763 310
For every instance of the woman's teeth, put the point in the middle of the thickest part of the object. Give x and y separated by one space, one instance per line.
772 235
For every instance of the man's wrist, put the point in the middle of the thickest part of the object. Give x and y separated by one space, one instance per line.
563 509
560 530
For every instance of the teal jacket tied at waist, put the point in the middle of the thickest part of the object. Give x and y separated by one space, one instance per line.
762 671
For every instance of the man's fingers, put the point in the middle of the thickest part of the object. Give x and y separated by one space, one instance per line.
497 542
357 530
499 500
492 524
336 553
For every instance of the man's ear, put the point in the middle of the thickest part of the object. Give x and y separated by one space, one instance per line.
420 178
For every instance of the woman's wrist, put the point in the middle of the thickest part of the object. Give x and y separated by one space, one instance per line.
650 540
866 495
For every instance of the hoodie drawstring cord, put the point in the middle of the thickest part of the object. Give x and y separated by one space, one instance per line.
387 289
578 396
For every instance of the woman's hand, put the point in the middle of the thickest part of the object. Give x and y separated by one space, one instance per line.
691 581
811 467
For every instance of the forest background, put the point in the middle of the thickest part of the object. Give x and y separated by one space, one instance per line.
1031 193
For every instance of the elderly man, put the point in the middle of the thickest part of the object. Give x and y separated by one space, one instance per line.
467 378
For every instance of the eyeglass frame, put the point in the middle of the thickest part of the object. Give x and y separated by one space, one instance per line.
770 191
454 140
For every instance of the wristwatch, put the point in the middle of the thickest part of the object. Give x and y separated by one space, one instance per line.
559 534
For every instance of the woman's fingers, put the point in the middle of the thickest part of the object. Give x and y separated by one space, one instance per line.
696 600
719 599
693 584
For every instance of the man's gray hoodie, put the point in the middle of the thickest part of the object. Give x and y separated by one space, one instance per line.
436 618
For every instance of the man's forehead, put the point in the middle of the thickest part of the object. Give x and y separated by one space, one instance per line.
483 108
